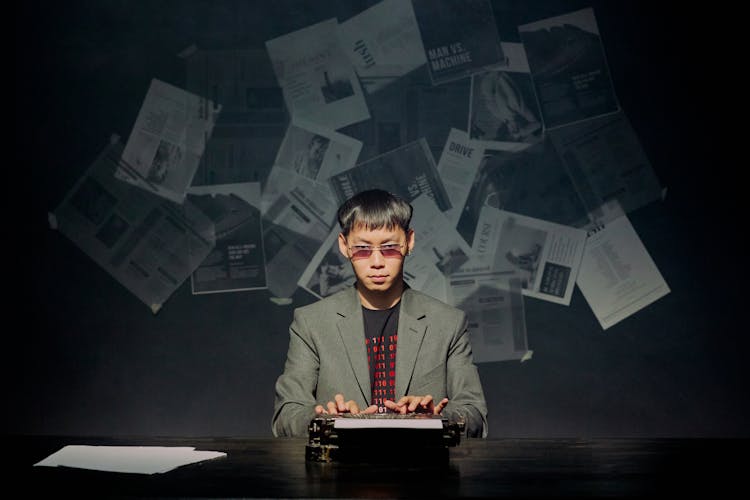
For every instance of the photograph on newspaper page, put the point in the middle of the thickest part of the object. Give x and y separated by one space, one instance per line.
569 68
546 256
309 154
618 277
383 43
460 37
503 109
237 262
317 79
167 141
147 243
316 152
407 171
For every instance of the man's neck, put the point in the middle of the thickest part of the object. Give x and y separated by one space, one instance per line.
381 300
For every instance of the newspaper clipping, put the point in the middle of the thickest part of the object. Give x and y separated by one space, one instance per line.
606 162
618 277
167 141
149 244
237 262
316 77
460 37
545 256
407 171
569 68
383 43
504 110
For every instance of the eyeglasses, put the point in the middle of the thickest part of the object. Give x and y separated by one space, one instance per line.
388 251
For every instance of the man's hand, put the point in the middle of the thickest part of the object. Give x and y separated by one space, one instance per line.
419 404
338 406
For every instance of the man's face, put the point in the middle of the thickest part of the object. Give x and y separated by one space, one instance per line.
377 273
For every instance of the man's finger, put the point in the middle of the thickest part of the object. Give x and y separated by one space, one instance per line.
339 398
414 403
371 409
439 408
319 410
426 402
352 407
332 408
397 407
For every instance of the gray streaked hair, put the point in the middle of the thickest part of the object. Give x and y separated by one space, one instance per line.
374 209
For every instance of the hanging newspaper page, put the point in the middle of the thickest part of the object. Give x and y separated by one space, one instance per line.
494 307
569 68
458 167
503 109
407 171
149 244
606 162
531 182
294 228
421 273
618 277
167 141
459 36
436 238
329 270
316 77
383 43
237 262
309 153
545 255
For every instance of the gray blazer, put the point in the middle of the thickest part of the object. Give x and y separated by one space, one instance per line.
327 356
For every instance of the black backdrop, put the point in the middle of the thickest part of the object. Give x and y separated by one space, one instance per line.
87 357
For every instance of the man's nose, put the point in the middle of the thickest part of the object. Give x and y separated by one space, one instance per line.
377 259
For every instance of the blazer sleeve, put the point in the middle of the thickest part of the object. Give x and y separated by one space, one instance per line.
466 397
294 403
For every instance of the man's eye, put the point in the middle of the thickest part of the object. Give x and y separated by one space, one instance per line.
360 247
390 247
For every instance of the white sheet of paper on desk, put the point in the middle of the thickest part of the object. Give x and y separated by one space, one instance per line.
388 423
133 459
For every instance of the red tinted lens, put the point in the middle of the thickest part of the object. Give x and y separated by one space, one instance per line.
391 252
361 254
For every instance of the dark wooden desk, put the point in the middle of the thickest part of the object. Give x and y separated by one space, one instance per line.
477 468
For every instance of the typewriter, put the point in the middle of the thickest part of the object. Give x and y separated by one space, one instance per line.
381 437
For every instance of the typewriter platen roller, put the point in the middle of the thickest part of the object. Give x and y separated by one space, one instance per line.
390 437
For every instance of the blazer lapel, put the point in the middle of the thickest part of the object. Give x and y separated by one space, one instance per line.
411 331
352 332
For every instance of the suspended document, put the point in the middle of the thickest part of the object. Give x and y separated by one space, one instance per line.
383 43
169 137
145 242
618 277
545 255
460 37
569 68
316 77
237 262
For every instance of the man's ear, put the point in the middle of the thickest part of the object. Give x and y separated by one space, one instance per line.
409 241
342 246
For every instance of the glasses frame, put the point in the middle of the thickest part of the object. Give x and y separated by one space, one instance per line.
370 249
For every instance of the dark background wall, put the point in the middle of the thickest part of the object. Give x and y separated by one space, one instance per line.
87 357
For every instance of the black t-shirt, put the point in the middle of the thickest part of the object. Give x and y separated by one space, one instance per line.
381 337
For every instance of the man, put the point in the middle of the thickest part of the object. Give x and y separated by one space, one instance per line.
378 346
